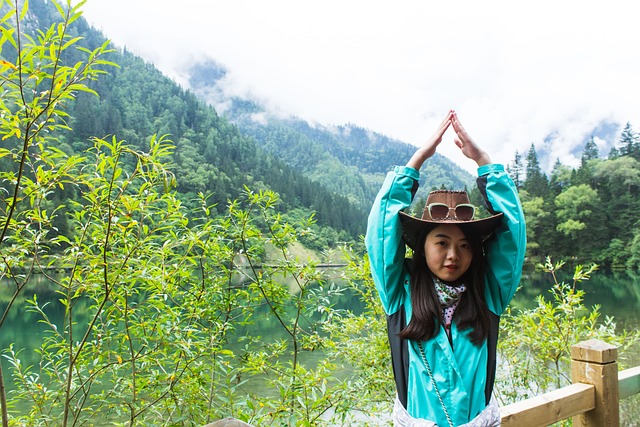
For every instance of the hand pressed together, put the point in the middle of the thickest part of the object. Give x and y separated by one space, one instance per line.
466 144
462 139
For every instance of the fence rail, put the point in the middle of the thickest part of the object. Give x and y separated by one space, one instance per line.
593 398
550 407
629 382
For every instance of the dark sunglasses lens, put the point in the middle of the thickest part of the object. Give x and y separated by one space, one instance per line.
439 211
464 213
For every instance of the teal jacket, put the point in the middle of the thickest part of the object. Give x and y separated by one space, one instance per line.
464 372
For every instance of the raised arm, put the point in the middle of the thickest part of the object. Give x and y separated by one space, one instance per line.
466 144
383 240
505 252
428 149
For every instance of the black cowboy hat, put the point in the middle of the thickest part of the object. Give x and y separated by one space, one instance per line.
446 207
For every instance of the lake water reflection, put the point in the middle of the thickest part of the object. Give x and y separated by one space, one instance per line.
618 294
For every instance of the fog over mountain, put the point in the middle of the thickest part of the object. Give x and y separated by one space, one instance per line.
548 73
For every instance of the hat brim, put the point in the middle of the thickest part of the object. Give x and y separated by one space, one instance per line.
414 228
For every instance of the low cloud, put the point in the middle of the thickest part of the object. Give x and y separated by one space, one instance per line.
546 72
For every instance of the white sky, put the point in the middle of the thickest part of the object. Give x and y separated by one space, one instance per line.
515 71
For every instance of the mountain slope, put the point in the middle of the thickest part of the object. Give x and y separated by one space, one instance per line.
347 159
211 155
334 171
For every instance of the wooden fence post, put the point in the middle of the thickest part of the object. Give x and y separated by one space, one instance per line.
595 362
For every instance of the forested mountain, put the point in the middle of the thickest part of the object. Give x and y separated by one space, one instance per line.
588 213
332 171
211 155
345 158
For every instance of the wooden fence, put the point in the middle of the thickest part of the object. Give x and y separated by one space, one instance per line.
593 398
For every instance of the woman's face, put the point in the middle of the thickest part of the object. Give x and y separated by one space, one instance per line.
448 252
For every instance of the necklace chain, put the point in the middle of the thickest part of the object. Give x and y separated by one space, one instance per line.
433 381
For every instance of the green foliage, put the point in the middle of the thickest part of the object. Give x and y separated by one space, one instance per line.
161 290
590 152
535 343
37 86
360 339
536 182
212 156
593 209
516 169
622 173
633 253
162 294
630 142
537 219
574 207
149 289
560 177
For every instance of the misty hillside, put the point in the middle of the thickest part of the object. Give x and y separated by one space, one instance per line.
344 158
211 156
223 145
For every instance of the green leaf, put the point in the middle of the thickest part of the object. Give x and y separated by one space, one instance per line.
71 42
60 9
25 8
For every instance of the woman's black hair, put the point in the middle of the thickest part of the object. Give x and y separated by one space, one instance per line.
472 311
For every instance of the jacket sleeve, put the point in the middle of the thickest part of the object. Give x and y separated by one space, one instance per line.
506 250
383 240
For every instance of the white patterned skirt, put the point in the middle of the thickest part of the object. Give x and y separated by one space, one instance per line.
489 417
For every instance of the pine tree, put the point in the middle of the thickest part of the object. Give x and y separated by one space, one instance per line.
560 177
584 174
590 151
536 183
515 170
629 142
614 153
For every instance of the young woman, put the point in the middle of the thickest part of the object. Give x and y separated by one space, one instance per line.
444 304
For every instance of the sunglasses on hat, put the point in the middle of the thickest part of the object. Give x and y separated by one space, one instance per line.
446 206
461 212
